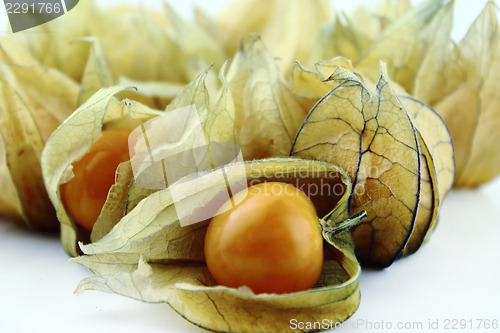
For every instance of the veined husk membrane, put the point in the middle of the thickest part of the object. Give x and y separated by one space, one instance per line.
397 151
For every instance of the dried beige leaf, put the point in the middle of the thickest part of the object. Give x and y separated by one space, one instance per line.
115 206
138 44
428 204
98 74
195 93
49 94
437 166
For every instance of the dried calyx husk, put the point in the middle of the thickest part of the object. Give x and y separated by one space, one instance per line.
267 113
252 82
149 256
139 249
351 35
35 100
71 140
74 137
117 44
128 35
458 79
230 119
42 89
300 19
397 151
84 58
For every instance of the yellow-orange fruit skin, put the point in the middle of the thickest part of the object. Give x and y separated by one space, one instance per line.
270 242
94 174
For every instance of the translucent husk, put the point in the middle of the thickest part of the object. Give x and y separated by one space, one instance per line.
138 238
35 99
397 151
150 257
458 79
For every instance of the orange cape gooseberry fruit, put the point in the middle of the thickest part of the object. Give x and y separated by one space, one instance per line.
94 174
270 241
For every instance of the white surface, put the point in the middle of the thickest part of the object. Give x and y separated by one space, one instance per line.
454 276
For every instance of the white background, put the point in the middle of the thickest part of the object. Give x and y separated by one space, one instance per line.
454 276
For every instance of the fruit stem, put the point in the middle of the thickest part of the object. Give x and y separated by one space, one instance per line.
330 230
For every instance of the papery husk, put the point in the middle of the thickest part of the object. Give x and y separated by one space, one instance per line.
400 174
150 257
35 100
74 137
70 141
38 99
267 114
301 20
459 80
469 105
120 38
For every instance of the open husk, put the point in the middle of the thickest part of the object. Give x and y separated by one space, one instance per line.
150 257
